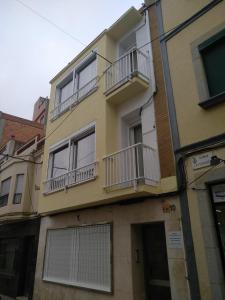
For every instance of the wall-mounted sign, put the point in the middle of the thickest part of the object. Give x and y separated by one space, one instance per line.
218 192
201 160
175 239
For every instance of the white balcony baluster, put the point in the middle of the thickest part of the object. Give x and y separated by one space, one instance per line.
134 164
73 177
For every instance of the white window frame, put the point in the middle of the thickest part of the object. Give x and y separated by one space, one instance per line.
78 93
16 188
88 130
2 195
73 248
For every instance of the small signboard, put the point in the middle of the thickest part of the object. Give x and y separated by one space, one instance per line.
175 239
218 192
201 160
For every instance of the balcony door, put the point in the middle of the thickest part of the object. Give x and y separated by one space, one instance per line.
127 61
136 134
137 138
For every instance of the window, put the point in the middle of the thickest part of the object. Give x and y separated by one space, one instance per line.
79 256
86 73
72 163
4 194
66 90
60 161
213 59
19 189
83 151
76 86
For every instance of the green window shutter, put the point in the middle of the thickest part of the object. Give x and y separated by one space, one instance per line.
213 58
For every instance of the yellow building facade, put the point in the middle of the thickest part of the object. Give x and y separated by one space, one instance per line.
110 214
193 48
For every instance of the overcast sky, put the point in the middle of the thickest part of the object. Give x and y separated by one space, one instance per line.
32 51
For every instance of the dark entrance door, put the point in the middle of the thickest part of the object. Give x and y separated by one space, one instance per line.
156 263
27 267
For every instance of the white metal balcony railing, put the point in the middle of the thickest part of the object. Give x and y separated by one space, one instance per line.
76 98
70 178
131 64
132 165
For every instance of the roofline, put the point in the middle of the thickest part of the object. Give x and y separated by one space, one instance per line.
79 55
20 120
92 43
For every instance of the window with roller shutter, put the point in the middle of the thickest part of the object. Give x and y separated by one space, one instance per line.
79 256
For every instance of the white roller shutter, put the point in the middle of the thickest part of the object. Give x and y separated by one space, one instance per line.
79 256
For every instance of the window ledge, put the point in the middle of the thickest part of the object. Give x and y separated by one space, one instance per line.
213 101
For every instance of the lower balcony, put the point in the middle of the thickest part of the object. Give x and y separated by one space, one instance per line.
131 166
71 178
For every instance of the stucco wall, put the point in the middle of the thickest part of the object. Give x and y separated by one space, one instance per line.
122 217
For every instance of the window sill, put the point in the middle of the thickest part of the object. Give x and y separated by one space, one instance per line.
213 101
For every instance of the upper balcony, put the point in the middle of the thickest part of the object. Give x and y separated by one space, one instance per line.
127 76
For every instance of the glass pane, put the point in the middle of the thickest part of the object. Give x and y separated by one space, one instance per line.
137 134
66 91
87 74
19 184
86 151
60 162
5 186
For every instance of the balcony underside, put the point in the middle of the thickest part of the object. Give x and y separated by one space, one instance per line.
130 88
129 194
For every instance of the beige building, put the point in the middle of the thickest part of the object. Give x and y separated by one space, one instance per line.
111 221
21 152
20 176
193 53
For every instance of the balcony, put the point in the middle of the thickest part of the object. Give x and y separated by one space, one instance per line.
71 178
137 164
127 76
75 99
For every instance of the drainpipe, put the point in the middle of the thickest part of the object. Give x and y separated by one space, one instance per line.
186 223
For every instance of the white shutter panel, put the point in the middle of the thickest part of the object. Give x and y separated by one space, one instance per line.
59 255
94 257
79 256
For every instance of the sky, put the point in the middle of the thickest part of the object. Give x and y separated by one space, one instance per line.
32 51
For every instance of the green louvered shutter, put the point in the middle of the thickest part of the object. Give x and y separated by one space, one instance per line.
213 58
